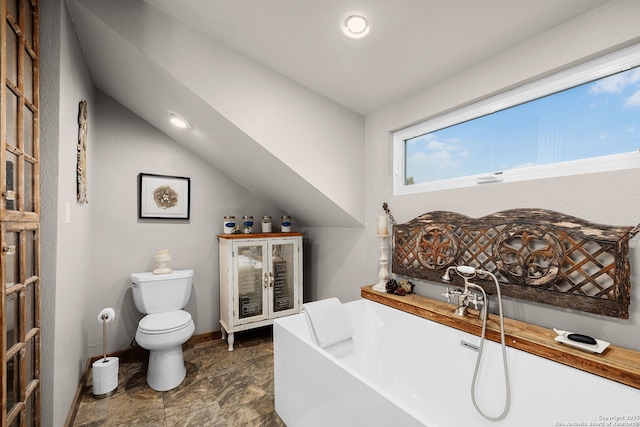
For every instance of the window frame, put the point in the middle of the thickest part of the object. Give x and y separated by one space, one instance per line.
589 71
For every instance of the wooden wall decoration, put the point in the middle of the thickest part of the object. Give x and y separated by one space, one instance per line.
537 255
81 168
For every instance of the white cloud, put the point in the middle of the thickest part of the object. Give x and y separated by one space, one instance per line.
419 157
436 145
427 167
615 83
412 142
451 144
441 156
422 139
435 157
633 100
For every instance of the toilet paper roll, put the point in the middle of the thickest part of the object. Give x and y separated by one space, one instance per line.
105 375
108 313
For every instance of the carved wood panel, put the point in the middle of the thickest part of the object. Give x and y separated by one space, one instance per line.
537 255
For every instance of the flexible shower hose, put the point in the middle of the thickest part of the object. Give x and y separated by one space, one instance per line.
504 353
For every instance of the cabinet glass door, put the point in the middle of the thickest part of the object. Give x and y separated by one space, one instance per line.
283 274
252 278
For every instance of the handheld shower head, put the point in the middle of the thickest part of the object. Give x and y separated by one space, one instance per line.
466 270
463 270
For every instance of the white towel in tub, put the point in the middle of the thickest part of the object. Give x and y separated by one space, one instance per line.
328 321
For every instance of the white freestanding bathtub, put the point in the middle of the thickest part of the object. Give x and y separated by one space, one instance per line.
403 370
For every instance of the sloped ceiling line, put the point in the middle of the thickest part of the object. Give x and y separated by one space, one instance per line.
250 121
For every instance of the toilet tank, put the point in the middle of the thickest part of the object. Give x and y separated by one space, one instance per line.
158 293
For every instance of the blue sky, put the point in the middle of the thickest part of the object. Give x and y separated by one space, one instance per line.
594 119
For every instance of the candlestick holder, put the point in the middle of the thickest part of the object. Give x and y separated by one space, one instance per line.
383 274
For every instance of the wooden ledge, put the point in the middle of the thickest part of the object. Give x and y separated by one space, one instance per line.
615 363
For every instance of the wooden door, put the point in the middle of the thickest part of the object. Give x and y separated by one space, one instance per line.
20 214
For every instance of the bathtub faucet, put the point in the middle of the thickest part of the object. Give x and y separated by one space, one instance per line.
464 299
466 296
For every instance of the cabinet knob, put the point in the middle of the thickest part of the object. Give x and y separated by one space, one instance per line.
271 279
266 280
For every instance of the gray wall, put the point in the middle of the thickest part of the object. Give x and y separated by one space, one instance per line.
126 145
65 248
86 263
349 260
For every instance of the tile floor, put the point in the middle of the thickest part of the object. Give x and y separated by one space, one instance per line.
222 389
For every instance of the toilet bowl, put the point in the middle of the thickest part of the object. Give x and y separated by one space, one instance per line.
166 326
163 335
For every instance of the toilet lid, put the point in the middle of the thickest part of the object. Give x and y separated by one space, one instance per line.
162 323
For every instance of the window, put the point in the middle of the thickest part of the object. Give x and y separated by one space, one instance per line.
583 120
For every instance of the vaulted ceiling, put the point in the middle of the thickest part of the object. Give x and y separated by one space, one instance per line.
274 86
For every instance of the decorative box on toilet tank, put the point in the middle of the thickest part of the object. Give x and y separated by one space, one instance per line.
260 280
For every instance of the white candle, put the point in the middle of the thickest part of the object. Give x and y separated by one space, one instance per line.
382 225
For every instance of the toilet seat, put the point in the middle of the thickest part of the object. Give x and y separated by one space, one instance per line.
163 323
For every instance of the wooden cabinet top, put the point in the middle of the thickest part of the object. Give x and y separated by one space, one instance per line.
257 235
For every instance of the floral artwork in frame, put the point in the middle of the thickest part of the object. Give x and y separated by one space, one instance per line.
164 197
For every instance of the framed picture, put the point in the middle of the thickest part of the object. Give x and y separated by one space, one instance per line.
161 196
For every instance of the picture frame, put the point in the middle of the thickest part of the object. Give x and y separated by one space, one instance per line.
163 196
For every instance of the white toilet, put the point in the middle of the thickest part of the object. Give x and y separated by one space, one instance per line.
166 326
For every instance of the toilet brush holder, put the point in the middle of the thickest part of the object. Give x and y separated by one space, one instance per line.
104 372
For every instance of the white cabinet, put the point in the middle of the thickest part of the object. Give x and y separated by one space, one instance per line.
260 279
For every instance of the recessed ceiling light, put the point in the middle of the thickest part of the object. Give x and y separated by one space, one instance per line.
178 121
355 25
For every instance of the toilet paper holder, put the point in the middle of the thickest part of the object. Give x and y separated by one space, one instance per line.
105 316
105 370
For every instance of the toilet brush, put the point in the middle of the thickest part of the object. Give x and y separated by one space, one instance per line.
105 370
